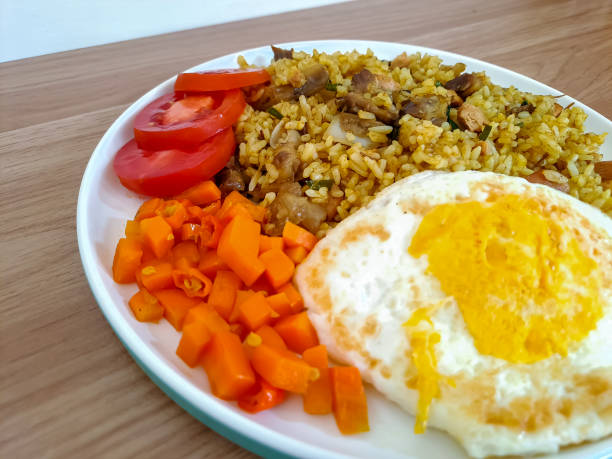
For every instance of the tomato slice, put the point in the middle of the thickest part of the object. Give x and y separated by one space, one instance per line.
176 121
168 172
220 80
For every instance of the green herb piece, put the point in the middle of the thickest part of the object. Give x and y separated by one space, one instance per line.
438 84
394 133
524 102
316 185
521 124
485 132
453 125
275 113
331 86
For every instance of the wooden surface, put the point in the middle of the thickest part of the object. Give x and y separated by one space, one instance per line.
68 388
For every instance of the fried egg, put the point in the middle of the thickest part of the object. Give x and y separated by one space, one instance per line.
480 303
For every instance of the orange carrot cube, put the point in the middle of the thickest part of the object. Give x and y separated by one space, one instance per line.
297 331
145 307
349 400
279 267
193 341
128 256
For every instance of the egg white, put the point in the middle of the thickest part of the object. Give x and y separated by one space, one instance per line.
360 285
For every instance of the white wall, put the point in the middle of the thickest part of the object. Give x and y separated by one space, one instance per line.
35 27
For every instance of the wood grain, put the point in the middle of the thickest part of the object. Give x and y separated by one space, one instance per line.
68 388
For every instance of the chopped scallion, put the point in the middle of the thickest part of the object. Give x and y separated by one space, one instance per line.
524 102
316 185
453 125
275 113
394 133
438 84
331 86
485 132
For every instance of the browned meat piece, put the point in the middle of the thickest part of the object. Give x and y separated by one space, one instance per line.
230 178
316 78
471 118
352 123
366 81
355 102
455 100
280 53
290 205
362 80
539 178
520 108
272 95
604 168
557 109
400 61
286 159
465 84
432 108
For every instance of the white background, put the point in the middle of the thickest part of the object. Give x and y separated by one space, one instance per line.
35 27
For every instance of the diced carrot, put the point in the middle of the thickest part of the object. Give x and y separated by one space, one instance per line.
193 341
294 235
158 235
270 242
145 307
176 305
148 208
316 356
202 194
156 275
227 366
279 267
189 231
208 316
212 208
223 293
255 311
265 396
295 299
297 331
258 213
297 253
271 337
239 247
174 213
349 400
280 304
186 203
210 263
241 297
210 232
132 230
147 255
187 250
262 284
232 211
128 256
318 396
192 282
282 368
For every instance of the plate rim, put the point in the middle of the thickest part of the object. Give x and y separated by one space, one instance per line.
236 427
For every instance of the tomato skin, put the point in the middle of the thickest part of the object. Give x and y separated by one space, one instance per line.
163 173
267 396
151 133
220 80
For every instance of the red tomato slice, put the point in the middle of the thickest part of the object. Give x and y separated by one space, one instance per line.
164 173
220 80
175 121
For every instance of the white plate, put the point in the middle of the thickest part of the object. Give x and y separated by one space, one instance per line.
104 206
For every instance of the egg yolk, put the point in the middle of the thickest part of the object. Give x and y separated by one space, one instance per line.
525 288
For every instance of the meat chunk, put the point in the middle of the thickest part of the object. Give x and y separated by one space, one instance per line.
401 60
455 100
520 108
471 118
286 159
230 178
358 126
316 78
280 53
290 205
432 108
539 177
354 102
604 169
272 95
465 84
366 81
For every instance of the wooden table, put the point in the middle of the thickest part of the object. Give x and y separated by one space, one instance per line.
68 387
